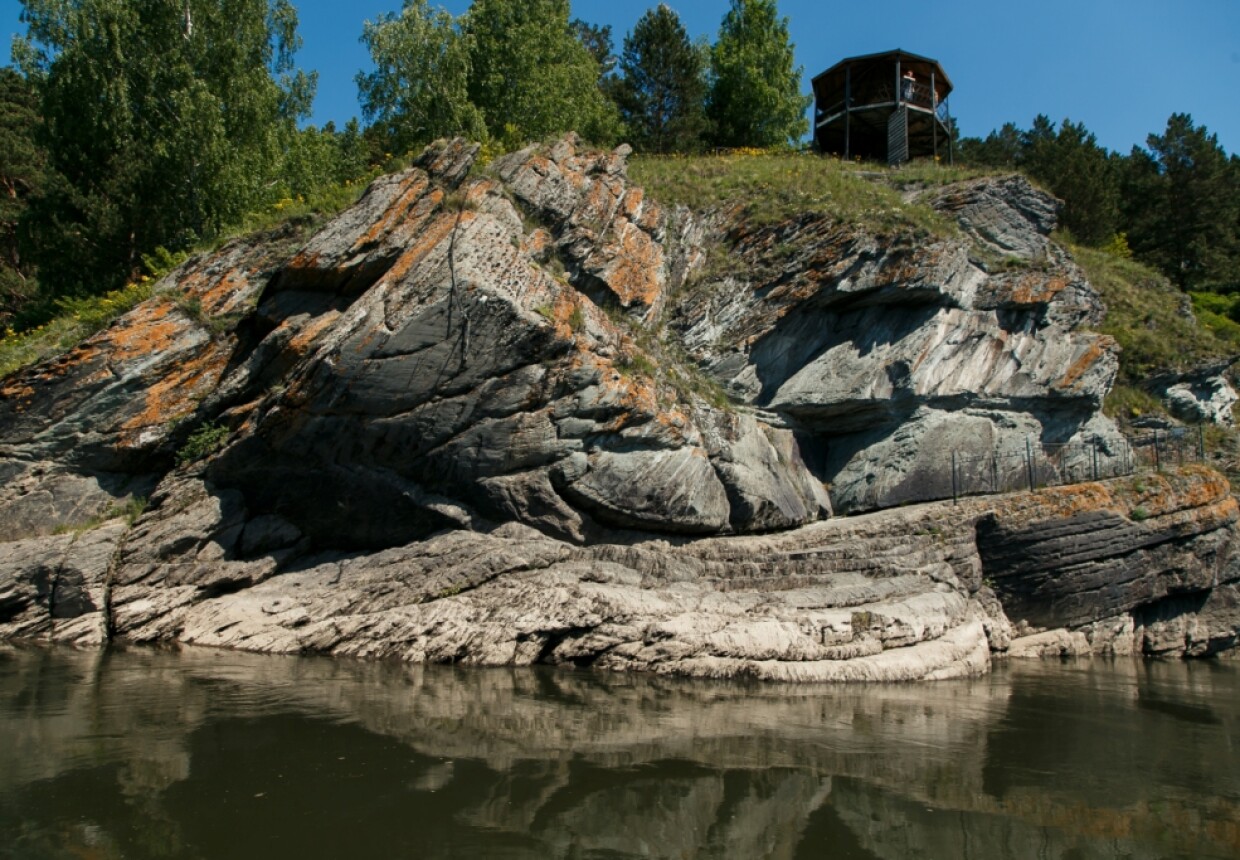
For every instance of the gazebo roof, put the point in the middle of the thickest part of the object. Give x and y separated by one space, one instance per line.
898 54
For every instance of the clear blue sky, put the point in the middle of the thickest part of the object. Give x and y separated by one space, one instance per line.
1120 66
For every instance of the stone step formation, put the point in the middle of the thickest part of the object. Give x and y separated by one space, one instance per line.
439 429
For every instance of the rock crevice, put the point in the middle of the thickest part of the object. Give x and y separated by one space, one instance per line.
508 414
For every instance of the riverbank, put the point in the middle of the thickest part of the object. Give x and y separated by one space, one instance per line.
1145 564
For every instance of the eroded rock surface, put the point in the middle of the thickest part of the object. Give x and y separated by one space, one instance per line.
888 355
1149 566
467 420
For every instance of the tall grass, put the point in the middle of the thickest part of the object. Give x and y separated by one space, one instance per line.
1159 328
772 187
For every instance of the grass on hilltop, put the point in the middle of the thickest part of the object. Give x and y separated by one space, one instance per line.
1159 328
775 186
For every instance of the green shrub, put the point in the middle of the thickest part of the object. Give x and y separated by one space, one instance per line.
203 442
76 319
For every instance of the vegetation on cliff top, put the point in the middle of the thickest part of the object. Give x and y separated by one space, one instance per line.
775 186
1159 328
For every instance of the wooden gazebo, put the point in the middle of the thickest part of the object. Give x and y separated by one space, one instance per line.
889 107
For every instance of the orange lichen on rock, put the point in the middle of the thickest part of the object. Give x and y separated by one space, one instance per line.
1098 347
633 272
1192 494
426 241
567 304
537 243
301 342
17 391
1033 290
224 293
176 394
149 328
412 188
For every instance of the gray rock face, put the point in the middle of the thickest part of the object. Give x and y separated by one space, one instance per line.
897 595
886 359
1205 395
447 426
1149 568
55 589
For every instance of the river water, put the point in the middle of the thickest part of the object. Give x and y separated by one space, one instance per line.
222 755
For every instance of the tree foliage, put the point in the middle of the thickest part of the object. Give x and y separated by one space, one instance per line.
755 95
596 39
1182 205
23 164
1176 204
1069 162
419 88
531 75
662 84
192 108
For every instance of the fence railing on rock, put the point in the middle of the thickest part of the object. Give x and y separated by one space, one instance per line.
1047 465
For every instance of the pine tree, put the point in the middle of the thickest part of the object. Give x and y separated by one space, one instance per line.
1068 162
662 89
1182 202
755 96
23 164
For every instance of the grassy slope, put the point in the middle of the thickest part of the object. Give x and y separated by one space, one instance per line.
1150 320
79 318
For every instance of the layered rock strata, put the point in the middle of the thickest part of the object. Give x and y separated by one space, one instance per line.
451 425
887 354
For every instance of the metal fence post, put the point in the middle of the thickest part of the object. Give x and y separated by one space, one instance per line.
1029 462
1157 454
1095 459
994 471
1201 443
955 484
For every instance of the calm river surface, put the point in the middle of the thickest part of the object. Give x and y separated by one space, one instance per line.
220 755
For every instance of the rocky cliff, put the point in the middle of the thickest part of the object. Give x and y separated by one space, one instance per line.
522 413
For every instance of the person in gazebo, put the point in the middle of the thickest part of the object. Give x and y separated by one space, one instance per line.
910 81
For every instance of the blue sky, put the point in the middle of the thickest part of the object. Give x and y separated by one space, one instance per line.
1120 66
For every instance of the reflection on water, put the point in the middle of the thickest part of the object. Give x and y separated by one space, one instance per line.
223 755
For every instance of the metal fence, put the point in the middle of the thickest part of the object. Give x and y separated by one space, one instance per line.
1040 465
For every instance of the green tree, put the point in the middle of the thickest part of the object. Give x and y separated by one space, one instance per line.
597 40
1182 206
1001 148
23 164
419 89
352 158
662 88
1068 161
755 96
1079 172
191 104
532 77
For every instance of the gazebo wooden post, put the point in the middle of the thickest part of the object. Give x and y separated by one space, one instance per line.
899 94
934 116
848 113
951 156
